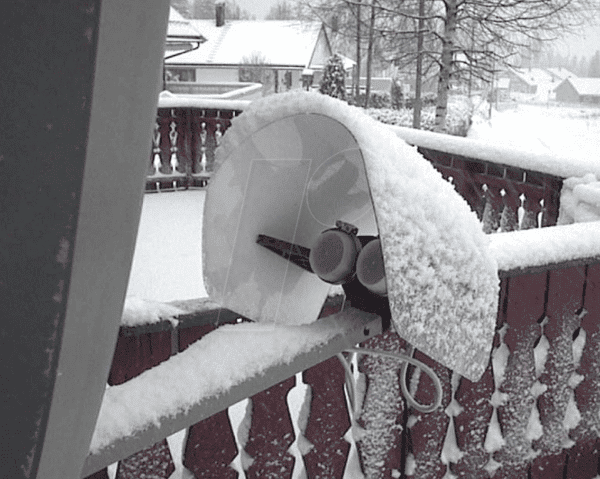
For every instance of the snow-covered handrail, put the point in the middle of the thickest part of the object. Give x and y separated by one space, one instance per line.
491 177
543 249
500 153
213 374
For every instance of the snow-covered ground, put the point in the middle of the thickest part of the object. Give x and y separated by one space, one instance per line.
571 131
167 264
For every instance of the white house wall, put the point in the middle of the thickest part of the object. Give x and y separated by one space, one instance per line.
322 52
213 74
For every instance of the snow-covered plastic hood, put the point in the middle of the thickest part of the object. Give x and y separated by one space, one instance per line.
442 282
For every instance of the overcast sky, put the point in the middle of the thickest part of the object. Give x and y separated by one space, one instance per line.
260 8
586 44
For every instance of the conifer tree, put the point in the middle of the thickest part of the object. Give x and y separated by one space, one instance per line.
334 78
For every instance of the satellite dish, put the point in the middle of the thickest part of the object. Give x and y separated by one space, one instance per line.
288 181
309 192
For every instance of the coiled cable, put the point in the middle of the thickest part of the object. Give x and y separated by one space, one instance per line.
407 359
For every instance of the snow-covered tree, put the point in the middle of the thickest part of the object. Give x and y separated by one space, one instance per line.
594 66
333 82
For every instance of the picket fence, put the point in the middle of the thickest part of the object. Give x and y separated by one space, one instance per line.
534 414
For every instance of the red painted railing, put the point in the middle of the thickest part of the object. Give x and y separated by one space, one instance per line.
184 142
506 198
520 419
535 413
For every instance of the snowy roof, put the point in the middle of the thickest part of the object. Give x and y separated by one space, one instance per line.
532 76
561 73
180 27
285 42
585 86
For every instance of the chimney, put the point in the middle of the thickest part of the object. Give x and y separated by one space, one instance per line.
220 13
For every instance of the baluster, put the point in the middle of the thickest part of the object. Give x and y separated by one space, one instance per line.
203 137
240 417
354 467
382 416
328 421
521 211
525 303
583 458
156 162
155 462
508 218
491 211
541 217
133 355
211 448
218 135
472 412
298 400
271 434
565 295
427 432
174 162
531 208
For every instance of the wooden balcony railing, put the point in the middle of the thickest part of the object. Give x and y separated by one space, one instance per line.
535 413
509 189
186 135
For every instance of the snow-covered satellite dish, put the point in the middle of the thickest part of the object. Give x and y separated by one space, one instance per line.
293 166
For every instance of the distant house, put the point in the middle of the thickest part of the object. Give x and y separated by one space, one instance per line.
579 90
282 55
533 83
181 36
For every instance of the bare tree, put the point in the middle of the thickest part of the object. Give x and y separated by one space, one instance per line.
352 31
283 10
463 40
478 36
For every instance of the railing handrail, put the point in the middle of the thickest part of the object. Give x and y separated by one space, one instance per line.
330 336
169 100
489 151
498 153
544 249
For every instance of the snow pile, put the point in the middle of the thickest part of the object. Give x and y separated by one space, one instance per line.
580 200
544 246
211 366
442 281
139 311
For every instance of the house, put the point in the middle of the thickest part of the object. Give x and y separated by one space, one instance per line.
579 90
282 55
181 35
534 83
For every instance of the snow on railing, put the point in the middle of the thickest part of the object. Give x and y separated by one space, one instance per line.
508 188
